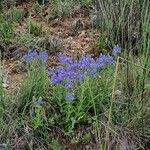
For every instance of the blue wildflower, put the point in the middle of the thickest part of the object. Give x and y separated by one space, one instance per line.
110 60
52 71
116 50
69 85
100 62
74 66
70 74
70 97
56 80
92 72
29 57
43 56
104 60
72 71
86 62
32 55
64 59
61 72
80 76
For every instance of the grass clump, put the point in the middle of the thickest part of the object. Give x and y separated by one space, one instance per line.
7 23
36 81
123 22
36 9
16 15
6 30
34 28
61 8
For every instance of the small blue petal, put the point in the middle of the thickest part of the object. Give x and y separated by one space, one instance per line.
56 80
64 59
70 97
52 71
69 85
30 56
116 50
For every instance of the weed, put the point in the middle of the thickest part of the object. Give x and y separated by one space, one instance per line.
25 39
78 80
37 112
16 15
128 109
100 45
42 2
84 2
2 101
36 9
7 23
56 145
34 28
122 21
36 81
60 8
0 4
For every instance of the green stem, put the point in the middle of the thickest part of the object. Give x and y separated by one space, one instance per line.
97 124
111 105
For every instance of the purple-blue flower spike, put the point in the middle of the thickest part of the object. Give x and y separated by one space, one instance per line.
69 85
116 50
43 56
65 60
30 56
56 80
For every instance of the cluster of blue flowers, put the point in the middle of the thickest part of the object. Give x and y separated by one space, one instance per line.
36 55
71 71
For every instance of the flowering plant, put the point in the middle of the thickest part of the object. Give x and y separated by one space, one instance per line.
77 83
72 71
75 86
35 55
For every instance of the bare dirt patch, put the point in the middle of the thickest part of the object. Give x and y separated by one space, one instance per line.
74 31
